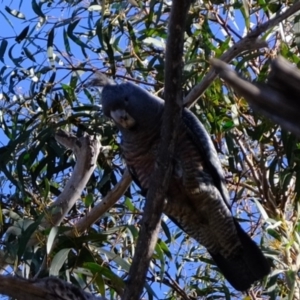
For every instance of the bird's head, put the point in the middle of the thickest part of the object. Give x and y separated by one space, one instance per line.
130 106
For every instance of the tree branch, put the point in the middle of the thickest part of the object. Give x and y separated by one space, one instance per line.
277 99
107 202
86 151
42 289
248 43
161 176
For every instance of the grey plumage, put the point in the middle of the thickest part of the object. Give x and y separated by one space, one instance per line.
197 198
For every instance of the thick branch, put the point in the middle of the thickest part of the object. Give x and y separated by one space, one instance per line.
248 43
162 173
86 151
277 99
42 289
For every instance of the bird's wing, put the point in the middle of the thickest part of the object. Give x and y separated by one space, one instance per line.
203 142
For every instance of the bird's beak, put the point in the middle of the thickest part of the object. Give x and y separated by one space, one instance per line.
121 117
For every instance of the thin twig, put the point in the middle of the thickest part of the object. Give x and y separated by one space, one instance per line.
107 202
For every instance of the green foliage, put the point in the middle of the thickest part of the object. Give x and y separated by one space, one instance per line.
48 53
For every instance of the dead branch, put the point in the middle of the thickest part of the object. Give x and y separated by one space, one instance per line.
86 151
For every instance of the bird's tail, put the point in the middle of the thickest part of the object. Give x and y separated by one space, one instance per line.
247 267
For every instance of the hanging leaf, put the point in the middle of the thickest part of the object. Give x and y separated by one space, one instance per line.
22 35
58 261
15 13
